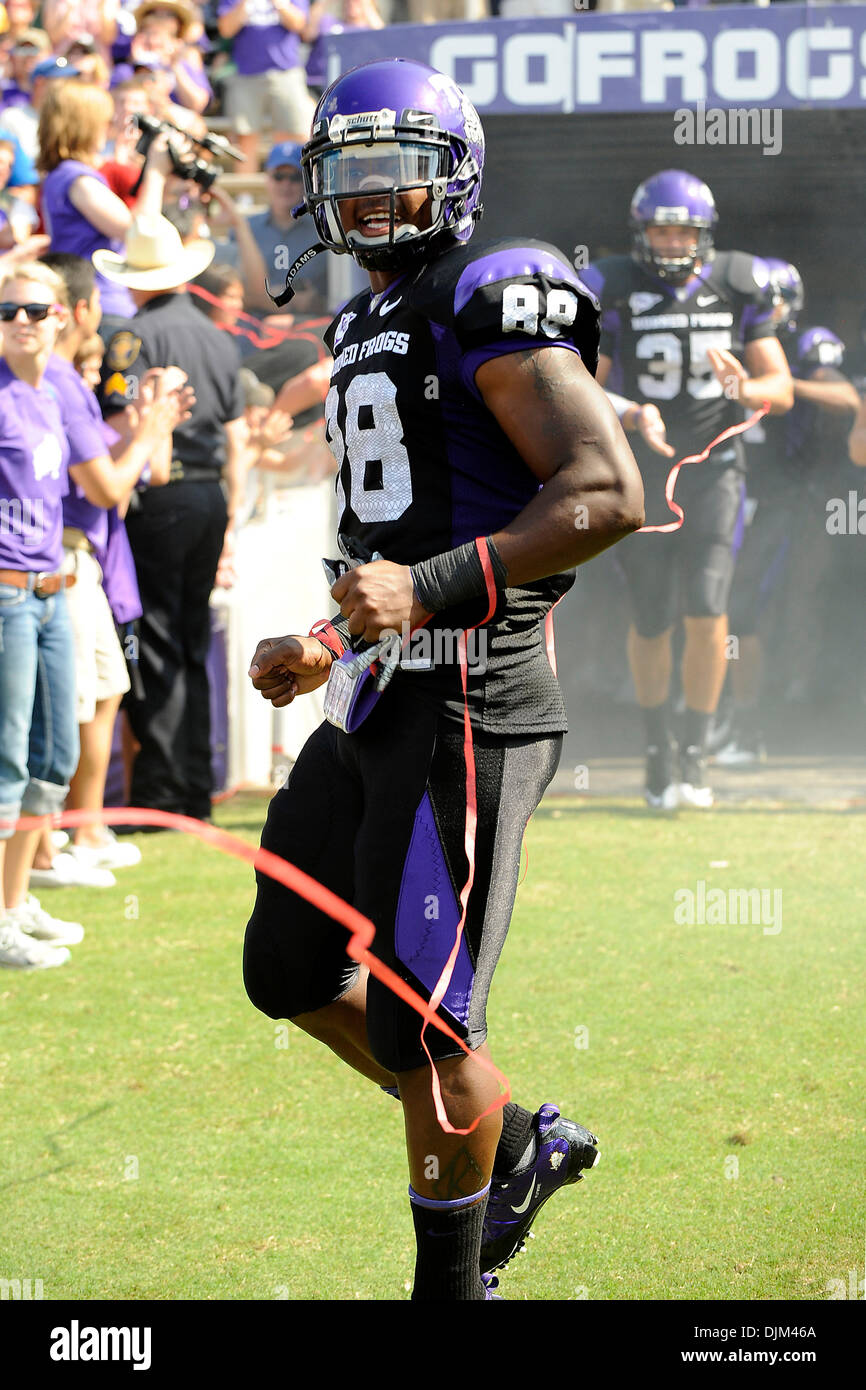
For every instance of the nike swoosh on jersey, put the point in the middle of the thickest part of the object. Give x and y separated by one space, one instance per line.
523 1206
387 305
703 300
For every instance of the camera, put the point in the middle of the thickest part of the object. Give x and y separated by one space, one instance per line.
197 169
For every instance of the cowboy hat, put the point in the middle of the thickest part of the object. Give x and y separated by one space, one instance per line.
185 13
154 257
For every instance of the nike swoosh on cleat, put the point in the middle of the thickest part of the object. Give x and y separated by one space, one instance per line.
518 1211
387 305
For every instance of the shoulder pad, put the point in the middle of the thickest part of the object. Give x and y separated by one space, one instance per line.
612 278
742 272
486 293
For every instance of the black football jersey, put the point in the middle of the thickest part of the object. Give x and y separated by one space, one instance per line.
423 465
657 337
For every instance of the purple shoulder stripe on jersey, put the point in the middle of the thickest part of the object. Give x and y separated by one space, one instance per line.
506 265
421 943
477 356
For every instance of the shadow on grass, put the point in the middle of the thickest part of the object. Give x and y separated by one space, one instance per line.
51 1143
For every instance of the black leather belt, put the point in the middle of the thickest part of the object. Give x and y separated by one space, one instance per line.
190 473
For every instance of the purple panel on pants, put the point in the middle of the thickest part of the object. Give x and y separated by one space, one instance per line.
423 943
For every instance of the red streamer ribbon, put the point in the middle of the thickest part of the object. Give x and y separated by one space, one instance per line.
670 484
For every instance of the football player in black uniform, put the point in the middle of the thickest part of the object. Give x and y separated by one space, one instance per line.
476 455
757 590
677 316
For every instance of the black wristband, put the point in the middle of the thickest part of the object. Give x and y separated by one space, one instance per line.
455 576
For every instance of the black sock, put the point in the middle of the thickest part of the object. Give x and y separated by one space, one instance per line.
656 723
696 726
518 1134
448 1242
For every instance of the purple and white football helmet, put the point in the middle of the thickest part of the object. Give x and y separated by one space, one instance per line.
392 126
820 347
672 198
787 289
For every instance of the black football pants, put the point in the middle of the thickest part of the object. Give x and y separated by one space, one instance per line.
378 816
177 534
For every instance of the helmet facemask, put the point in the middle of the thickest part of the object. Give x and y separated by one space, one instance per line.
675 270
368 156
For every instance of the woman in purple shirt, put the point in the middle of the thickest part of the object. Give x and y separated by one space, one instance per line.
42 443
80 212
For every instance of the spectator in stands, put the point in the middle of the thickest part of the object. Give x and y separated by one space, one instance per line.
17 218
162 32
68 20
23 178
20 16
158 81
46 442
269 87
22 120
92 67
280 240
123 166
24 53
355 14
221 295
81 213
88 531
178 532
88 360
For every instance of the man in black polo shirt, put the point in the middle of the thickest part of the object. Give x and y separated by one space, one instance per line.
177 532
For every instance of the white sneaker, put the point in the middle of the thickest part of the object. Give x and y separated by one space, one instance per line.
111 854
32 919
59 839
21 952
67 871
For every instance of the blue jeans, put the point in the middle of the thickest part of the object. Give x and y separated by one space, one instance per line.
38 729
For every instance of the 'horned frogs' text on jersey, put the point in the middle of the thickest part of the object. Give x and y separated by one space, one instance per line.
423 465
657 336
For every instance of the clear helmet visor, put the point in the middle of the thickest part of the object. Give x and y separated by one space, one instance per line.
355 170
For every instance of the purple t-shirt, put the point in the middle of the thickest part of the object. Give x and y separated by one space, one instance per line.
71 232
92 434
35 451
263 43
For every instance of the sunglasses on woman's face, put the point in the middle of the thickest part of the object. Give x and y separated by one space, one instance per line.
287 176
35 312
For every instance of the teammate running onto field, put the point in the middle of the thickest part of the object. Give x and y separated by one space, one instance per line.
676 318
468 433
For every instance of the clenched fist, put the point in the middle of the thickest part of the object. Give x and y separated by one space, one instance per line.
284 667
376 597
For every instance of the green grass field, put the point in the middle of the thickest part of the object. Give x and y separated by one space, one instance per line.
161 1139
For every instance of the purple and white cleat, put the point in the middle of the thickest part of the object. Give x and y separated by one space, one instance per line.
490 1283
563 1151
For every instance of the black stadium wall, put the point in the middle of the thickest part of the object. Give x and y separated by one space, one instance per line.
568 179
